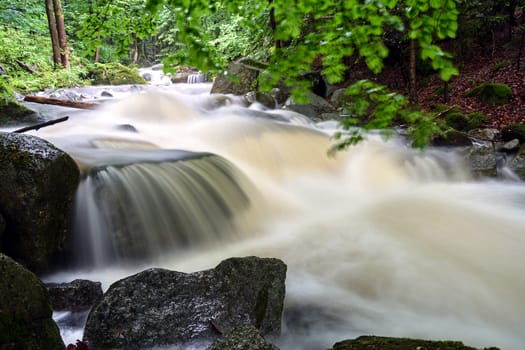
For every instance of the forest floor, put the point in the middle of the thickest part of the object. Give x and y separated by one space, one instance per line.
496 63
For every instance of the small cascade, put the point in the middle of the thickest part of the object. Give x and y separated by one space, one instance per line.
140 210
197 78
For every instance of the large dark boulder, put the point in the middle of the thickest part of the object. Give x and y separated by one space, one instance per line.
242 338
78 295
25 311
159 307
387 343
36 198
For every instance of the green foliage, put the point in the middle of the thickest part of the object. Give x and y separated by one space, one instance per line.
34 50
372 106
500 65
465 122
25 15
492 93
113 74
326 29
114 24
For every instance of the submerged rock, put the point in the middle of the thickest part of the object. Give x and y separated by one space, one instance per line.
78 295
36 198
25 311
387 343
160 307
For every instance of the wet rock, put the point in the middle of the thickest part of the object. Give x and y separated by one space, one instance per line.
490 135
106 94
513 131
511 146
25 311
339 98
159 307
245 79
78 295
147 76
38 184
242 338
452 138
517 163
387 343
483 161
315 108
266 100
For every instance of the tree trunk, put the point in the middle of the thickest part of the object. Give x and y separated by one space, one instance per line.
279 44
60 102
53 32
412 84
97 50
135 48
62 41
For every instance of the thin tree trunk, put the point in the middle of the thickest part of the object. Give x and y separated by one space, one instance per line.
97 50
135 48
53 32
520 49
412 84
62 40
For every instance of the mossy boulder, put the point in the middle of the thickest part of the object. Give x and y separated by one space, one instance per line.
513 131
25 311
38 184
12 112
241 79
465 122
113 74
492 93
452 138
386 343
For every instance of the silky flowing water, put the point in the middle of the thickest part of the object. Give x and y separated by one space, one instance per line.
380 239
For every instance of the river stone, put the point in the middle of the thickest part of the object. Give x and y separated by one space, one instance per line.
387 343
245 337
517 163
240 80
25 311
36 198
159 307
315 108
78 295
483 161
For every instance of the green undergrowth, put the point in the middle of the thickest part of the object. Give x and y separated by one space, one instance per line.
492 93
23 51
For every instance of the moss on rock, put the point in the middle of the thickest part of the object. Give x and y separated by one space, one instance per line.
12 112
465 122
386 343
494 93
513 131
25 311
114 74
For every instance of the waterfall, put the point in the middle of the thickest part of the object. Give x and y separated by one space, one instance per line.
196 78
142 210
380 239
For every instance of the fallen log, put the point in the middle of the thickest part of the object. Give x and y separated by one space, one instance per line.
41 125
60 102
